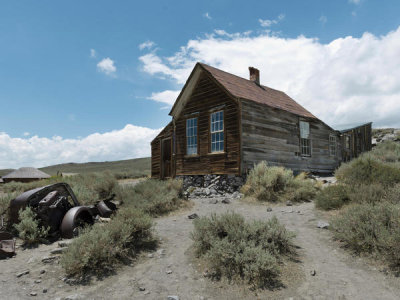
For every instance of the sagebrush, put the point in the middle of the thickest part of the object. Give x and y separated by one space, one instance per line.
372 229
99 249
29 229
271 183
239 250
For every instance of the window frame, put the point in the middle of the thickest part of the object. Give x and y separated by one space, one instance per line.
332 138
196 139
305 143
217 131
347 141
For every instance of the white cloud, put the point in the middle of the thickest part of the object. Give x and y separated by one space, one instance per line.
167 96
93 53
129 142
268 23
344 81
207 16
146 45
323 19
106 66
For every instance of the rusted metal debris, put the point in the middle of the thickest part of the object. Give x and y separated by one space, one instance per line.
57 208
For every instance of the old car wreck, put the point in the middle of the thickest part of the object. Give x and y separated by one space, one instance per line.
57 208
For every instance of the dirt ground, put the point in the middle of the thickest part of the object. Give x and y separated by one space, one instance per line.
172 270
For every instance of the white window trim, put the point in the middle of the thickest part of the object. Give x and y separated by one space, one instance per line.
217 131
197 132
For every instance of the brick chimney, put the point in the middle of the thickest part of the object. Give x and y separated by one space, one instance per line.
254 75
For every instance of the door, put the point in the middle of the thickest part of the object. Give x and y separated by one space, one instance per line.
166 150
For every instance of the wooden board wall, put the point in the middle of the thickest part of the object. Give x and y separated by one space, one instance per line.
360 141
273 135
206 97
156 150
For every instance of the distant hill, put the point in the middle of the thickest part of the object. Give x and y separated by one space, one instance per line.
132 167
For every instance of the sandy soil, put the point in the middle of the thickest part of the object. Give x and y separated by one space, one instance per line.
172 270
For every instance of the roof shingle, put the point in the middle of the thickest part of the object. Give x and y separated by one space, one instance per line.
249 90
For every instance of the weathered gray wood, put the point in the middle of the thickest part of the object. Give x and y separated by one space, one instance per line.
274 136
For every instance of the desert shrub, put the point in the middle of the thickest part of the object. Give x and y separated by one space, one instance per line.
100 248
392 195
154 197
366 169
367 193
238 250
373 229
29 229
332 197
267 183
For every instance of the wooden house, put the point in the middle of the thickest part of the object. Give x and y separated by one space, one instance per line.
224 124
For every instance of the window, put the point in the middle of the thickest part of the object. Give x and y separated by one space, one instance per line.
332 145
305 143
191 136
347 137
217 131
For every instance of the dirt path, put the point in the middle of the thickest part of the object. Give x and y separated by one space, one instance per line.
172 271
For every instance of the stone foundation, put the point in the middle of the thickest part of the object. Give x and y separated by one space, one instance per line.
212 185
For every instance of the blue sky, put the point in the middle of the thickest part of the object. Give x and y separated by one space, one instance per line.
75 73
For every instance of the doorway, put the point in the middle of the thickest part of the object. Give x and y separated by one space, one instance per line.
166 157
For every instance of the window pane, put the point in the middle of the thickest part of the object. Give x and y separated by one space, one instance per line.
191 136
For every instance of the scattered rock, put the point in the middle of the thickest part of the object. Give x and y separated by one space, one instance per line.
298 211
44 291
146 292
168 271
173 298
161 252
193 216
313 273
31 260
226 201
48 259
213 201
33 294
58 250
64 243
269 209
323 225
42 271
289 203
38 281
142 288
22 273
150 255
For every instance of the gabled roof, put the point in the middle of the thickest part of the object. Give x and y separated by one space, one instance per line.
241 88
27 173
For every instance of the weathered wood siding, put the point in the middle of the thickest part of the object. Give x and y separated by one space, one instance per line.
360 141
156 163
273 135
207 97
